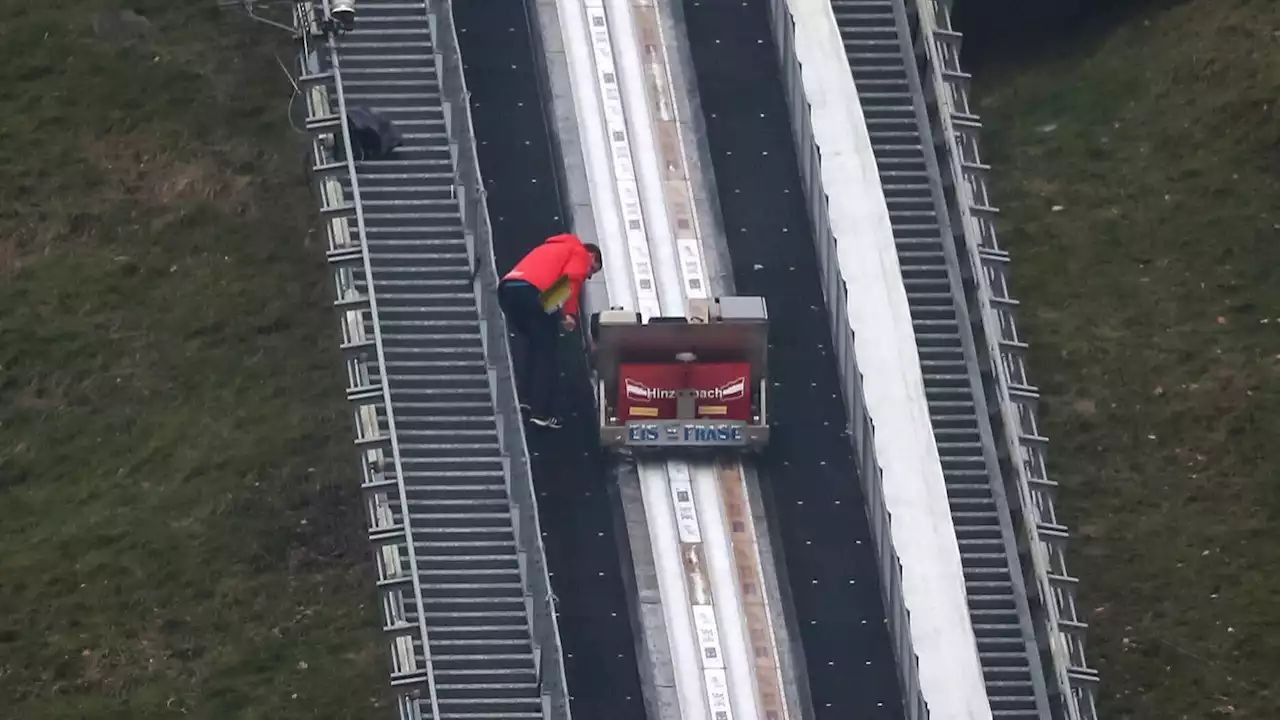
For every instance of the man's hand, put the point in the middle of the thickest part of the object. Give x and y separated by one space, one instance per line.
569 322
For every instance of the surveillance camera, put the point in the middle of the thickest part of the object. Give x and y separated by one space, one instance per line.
343 13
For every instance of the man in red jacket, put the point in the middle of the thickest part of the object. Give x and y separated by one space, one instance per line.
538 297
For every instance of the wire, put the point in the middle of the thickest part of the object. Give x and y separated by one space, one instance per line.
288 110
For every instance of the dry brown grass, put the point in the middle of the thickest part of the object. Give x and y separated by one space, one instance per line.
1152 300
180 530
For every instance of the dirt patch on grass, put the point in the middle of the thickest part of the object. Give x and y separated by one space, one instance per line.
1138 174
142 172
10 258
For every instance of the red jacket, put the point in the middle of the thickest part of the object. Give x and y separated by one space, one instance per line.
558 255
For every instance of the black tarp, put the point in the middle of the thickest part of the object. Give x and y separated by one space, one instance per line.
372 133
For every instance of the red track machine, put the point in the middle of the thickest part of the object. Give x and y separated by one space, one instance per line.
684 382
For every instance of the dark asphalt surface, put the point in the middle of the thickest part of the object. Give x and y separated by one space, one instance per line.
809 474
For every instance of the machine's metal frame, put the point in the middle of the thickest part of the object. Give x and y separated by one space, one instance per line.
726 329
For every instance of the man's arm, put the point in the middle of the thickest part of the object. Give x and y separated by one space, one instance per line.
577 269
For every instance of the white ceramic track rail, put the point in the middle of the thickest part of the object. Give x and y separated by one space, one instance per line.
702 567
610 166
645 86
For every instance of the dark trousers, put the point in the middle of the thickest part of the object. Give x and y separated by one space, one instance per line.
536 378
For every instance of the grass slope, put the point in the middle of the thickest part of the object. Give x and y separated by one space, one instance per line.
179 520
1139 173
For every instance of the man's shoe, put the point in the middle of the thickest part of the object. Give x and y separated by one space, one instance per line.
549 422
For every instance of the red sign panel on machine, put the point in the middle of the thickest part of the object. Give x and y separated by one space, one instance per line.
648 391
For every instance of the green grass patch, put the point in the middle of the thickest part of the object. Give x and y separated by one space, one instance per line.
180 524
1140 180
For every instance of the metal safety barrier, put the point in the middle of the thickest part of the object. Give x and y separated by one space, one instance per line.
479 233
1042 537
389 529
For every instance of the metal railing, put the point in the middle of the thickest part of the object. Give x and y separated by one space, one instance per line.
386 498
1042 538
861 428
470 192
